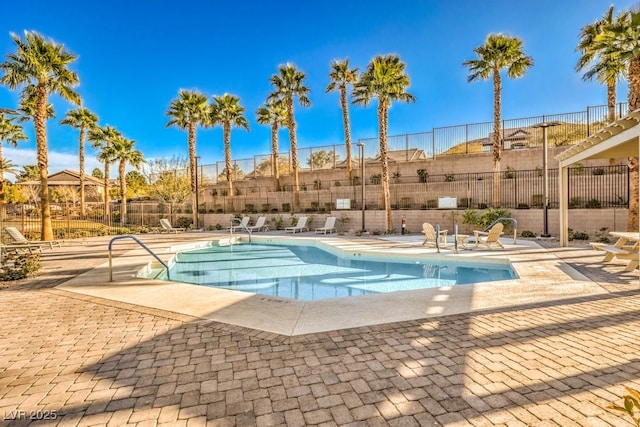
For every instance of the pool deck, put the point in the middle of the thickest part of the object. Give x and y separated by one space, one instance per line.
553 347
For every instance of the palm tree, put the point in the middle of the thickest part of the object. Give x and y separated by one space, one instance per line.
84 120
102 139
121 150
11 133
188 112
288 85
498 53
385 78
602 64
43 65
273 113
622 38
228 112
341 77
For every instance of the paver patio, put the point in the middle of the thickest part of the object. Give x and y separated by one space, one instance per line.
89 361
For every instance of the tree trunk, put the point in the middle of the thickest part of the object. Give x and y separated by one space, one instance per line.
497 137
383 120
275 172
634 176
107 172
347 128
40 121
226 130
611 103
192 169
294 156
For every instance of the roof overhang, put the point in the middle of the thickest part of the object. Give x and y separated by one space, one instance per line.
619 139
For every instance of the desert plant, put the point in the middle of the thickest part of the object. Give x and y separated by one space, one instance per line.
598 171
509 173
19 265
601 235
577 235
449 177
277 221
375 179
184 222
577 169
631 405
528 233
593 204
396 177
423 175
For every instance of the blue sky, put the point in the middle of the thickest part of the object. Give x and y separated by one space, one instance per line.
134 57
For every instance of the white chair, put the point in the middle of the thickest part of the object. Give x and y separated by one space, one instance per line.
19 239
329 226
301 226
259 225
168 228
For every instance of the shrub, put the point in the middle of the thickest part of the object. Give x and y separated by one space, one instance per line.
509 173
598 171
184 222
575 202
449 177
528 233
593 204
277 220
18 266
523 206
375 179
423 175
577 235
631 405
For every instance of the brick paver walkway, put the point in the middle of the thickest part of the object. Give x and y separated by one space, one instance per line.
86 361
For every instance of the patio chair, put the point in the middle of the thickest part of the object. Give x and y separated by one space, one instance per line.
329 226
430 235
492 236
19 239
168 228
301 226
259 225
244 223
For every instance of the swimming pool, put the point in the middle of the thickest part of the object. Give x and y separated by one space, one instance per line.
308 272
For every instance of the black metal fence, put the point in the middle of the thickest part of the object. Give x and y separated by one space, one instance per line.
589 187
461 139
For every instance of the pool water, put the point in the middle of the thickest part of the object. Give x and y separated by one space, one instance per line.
310 273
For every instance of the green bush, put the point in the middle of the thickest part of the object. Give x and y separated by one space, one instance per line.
184 222
577 235
593 204
18 266
528 233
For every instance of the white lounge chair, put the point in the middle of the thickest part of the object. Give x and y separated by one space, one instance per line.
430 236
329 226
492 236
301 226
19 239
259 225
242 226
168 228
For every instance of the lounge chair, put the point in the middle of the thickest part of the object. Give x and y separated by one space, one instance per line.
259 225
492 236
19 239
329 226
168 228
244 223
430 235
301 226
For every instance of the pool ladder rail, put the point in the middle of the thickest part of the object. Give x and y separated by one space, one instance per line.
241 225
129 236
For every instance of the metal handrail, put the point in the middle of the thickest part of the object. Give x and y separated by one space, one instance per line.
241 226
512 220
128 236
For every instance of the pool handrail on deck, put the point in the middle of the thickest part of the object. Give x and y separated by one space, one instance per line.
129 236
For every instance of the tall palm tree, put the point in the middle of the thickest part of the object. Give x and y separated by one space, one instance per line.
227 112
84 120
603 64
273 113
622 37
43 65
385 78
499 52
189 111
102 138
289 84
11 133
341 77
121 150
